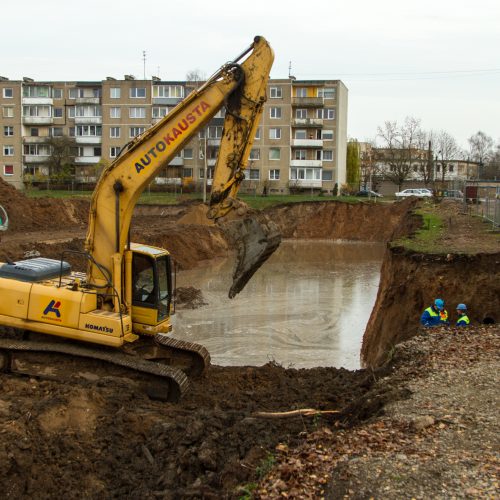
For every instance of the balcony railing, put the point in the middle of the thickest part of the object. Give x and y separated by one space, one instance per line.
307 122
35 158
213 142
89 139
307 102
88 100
84 120
306 183
307 143
38 100
38 120
87 159
306 163
176 162
35 140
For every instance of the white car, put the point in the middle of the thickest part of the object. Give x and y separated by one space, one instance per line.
422 193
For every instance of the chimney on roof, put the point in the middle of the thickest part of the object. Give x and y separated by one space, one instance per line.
3 79
110 78
156 79
28 80
129 77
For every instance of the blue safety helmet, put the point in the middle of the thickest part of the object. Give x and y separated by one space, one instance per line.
461 307
439 303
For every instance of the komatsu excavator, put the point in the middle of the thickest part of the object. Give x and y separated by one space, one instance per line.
124 301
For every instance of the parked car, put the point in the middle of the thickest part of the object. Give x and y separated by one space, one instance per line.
365 192
422 193
454 193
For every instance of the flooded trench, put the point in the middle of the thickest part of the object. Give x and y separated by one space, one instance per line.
308 306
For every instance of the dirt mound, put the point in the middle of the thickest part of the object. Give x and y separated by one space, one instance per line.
189 298
28 214
197 214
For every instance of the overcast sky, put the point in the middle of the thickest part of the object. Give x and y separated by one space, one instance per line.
437 60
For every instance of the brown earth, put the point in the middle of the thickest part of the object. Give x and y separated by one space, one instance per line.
75 439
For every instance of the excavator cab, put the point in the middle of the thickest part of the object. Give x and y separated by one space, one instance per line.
151 289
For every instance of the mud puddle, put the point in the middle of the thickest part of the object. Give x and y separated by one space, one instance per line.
308 306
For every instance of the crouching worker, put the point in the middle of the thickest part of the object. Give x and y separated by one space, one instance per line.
435 315
463 319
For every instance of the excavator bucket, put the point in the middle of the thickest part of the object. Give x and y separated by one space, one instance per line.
255 237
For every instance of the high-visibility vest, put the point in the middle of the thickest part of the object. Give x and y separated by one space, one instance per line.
463 319
443 315
431 311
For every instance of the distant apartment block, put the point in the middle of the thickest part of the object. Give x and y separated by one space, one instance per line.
300 143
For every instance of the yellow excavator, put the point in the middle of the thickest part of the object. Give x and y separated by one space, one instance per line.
124 301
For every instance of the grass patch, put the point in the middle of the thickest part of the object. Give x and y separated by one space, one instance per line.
426 238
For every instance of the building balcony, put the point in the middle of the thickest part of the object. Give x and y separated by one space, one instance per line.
88 139
35 158
38 100
88 120
88 100
38 120
307 122
307 143
87 160
35 140
307 102
211 162
167 101
306 163
176 181
305 183
213 142
176 162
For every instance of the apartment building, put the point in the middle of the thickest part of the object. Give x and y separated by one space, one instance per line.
300 144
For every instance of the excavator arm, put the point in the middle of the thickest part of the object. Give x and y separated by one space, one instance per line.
241 88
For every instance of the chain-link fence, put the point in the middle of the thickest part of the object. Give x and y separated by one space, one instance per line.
483 200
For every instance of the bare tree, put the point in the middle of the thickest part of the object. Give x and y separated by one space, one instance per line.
399 148
481 149
448 150
370 171
195 77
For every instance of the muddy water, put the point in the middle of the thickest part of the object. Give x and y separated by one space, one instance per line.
307 306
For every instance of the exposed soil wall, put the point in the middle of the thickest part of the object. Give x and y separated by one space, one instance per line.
411 281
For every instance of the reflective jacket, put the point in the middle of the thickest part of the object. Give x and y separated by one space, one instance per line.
430 317
463 320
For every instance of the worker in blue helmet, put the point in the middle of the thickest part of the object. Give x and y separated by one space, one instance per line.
463 319
435 315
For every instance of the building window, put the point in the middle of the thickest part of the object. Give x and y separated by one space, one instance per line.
115 112
187 172
135 131
300 154
255 154
451 168
88 131
137 93
327 135
71 111
301 92
8 111
97 151
58 112
257 134
90 111
8 170
57 93
301 114
174 91
56 132
327 93
326 155
137 112
188 155
72 93
8 150
8 93
326 113
274 174
274 133
300 134
252 174
115 92
305 174
114 151
274 153
34 132
275 113
160 111
276 92
214 132
327 175
72 131
8 131
40 111
114 132
36 150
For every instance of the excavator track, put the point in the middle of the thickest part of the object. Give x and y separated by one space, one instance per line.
159 380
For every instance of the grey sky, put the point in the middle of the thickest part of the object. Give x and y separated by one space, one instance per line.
435 60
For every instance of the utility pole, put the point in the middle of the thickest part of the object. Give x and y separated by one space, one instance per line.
144 62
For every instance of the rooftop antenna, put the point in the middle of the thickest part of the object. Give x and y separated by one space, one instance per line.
290 71
158 72
144 61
